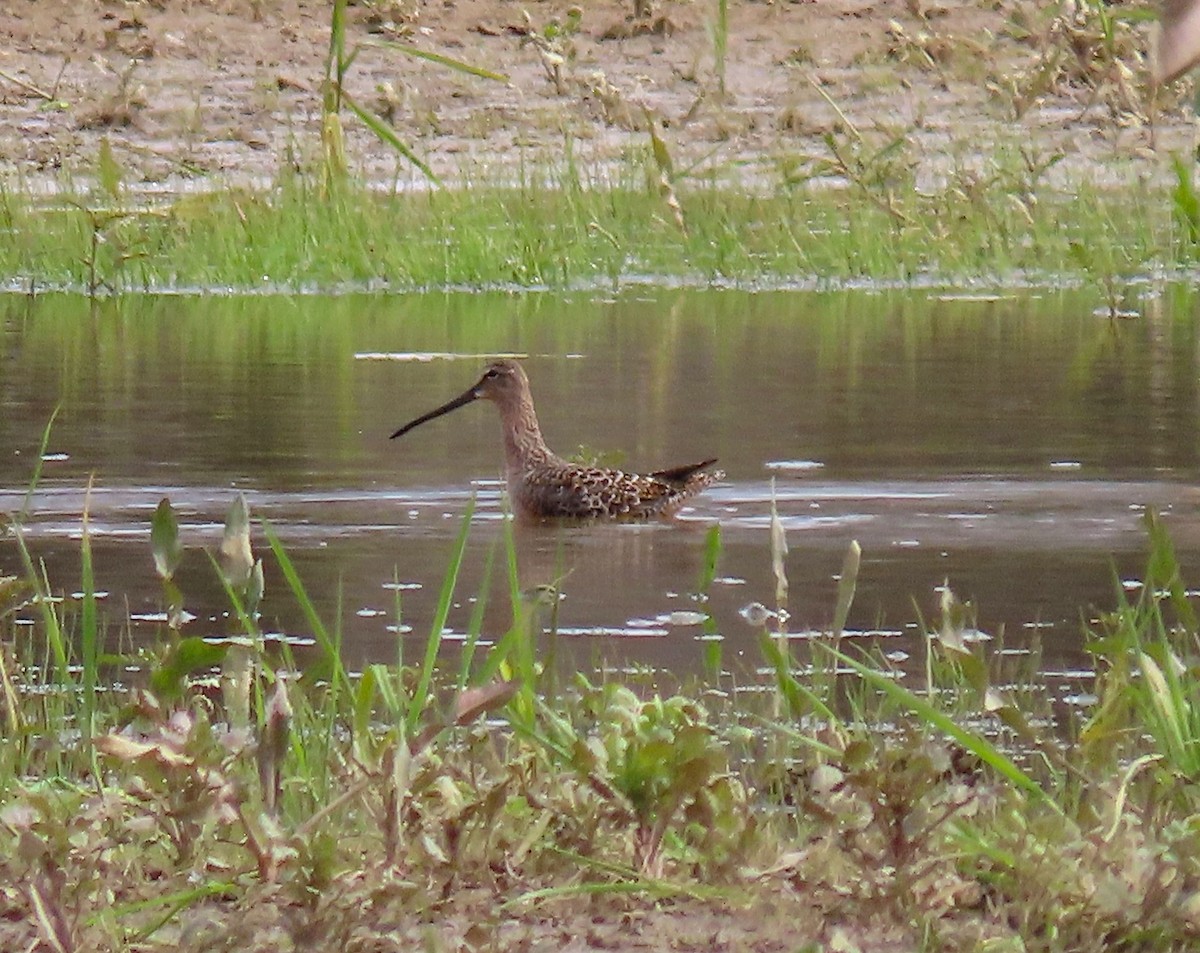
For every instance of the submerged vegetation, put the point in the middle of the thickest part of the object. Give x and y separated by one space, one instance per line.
202 793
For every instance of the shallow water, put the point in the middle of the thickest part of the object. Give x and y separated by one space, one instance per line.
1005 445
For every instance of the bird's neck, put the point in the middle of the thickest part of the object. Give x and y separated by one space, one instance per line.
523 443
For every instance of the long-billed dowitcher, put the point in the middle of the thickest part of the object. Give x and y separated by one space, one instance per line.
543 485
1178 48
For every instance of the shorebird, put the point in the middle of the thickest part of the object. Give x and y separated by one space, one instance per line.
1178 48
542 485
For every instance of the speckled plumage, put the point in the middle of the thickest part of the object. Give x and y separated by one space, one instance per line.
543 485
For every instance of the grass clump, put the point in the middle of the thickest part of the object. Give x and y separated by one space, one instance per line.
1001 217
224 796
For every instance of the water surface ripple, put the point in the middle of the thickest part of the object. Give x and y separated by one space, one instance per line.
1008 446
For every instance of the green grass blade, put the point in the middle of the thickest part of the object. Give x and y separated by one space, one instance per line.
800 737
89 635
1169 718
417 703
335 58
398 609
37 465
55 638
787 685
988 753
441 60
475 626
1162 571
503 650
387 135
712 555
339 677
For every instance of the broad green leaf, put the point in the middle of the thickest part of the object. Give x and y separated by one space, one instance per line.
847 584
236 557
255 586
190 655
164 540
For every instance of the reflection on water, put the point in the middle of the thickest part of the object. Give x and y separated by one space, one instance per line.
1007 446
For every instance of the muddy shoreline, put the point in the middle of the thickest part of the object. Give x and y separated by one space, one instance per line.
198 95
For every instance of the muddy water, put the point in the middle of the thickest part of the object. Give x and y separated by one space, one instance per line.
1007 445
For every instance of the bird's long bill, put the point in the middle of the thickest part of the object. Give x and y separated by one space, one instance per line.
444 409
